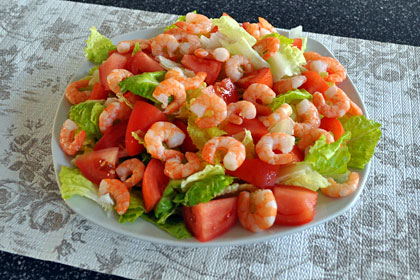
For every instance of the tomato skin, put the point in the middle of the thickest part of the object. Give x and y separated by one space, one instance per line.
261 76
132 98
187 145
141 118
115 61
113 137
154 183
256 172
98 165
141 62
295 205
333 125
198 64
297 42
314 82
226 89
297 154
207 221
98 92
255 126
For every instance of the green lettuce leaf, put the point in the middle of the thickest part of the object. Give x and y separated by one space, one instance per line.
135 209
86 116
282 39
287 61
248 142
200 136
98 46
136 49
289 97
174 225
231 29
143 84
180 18
301 174
208 171
166 206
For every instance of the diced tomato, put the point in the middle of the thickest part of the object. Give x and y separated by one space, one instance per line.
245 24
226 15
297 154
332 125
295 205
141 118
154 183
98 92
98 165
314 82
207 221
256 172
113 137
227 90
142 62
255 126
261 76
187 145
198 64
115 61
214 29
297 42
132 98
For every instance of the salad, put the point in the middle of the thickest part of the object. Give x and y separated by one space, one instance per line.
209 123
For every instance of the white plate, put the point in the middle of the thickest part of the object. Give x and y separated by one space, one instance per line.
326 208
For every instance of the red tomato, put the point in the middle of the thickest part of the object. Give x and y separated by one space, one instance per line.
154 183
332 125
98 92
261 76
113 137
141 118
297 154
314 82
132 98
197 64
97 165
187 145
142 62
255 126
256 172
295 205
207 221
115 61
297 43
227 90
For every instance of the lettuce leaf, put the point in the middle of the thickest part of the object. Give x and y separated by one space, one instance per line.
136 49
248 142
143 84
301 174
135 209
86 116
282 39
231 28
98 46
166 206
208 171
286 62
289 97
174 225
200 136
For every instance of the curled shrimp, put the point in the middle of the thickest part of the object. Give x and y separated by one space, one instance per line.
235 151
195 24
354 109
73 93
307 117
189 43
267 47
257 210
312 56
165 45
281 113
126 46
119 192
236 66
69 142
130 172
253 29
339 101
188 82
240 110
163 132
264 24
167 88
113 112
262 93
284 85
275 141
115 77
319 63
218 54
210 109
309 138
341 190
175 169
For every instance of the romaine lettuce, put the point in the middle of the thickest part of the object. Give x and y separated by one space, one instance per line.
301 174
289 97
86 116
143 84
200 136
135 208
286 62
98 46
231 29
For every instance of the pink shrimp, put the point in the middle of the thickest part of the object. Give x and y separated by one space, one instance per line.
309 138
218 54
175 169
263 23
283 112
284 85
235 151
189 43
165 45
275 141
195 24
167 88
253 29
341 190
354 109
188 82
257 211
119 192
267 47
236 66
166 132
126 46
262 93
307 117
130 172
312 56
113 112
240 110
339 101
115 77
73 93
319 63
69 142
210 109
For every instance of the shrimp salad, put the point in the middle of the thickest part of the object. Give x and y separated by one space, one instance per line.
212 122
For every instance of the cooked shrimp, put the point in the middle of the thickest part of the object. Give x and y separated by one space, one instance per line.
284 85
266 25
275 141
210 109
159 133
267 47
307 117
189 44
195 24
119 192
319 63
113 112
253 29
126 46
133 167
73 93
240 110
165 45
115 77
283 112
188 82
341 190
257 211
262 93
175 169
69 145
311 56
354 109
167 88
339 101
235 151
218 54
236 66
310 137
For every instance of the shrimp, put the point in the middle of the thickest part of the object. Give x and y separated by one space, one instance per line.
174 168
210 109
69 145
354 109
235 151
260 92
281 113
311 56
166 132
126 46
113 112
273 141
340 102
167 88
307 116
115 77
165 45
319 63
133 167
188 82
240 110
309 138
236 66
253 29
267 47
257 210
341 190
263 23
195 24
189 44
284 85
119 192
218 54
73 93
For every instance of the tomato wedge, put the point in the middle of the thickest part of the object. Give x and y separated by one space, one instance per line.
198 64
261 76
297 42
115 61
314 82
154 183
141 62
333 125
226 89
256 172
98 92
187 145
297 154
255 126
113 137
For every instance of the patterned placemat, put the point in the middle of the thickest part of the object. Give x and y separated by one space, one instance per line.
41 48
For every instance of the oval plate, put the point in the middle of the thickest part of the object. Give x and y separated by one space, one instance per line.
326 208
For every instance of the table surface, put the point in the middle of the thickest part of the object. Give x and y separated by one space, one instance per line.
386 21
